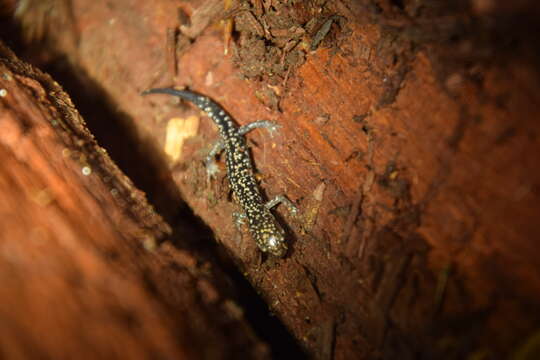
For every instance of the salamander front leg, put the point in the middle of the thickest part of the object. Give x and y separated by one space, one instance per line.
281 199
239 219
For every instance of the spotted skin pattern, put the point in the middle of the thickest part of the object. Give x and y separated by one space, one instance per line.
264 228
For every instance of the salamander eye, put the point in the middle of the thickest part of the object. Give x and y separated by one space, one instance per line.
272 241
275 245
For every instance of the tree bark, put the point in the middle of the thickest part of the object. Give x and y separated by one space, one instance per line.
408 141
81 275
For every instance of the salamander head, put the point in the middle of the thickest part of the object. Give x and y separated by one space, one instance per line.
273 242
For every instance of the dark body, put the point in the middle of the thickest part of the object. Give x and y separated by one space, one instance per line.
266 232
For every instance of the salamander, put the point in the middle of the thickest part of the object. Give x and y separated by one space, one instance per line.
265 230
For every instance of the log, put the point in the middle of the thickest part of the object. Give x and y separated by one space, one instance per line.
408 141
81 273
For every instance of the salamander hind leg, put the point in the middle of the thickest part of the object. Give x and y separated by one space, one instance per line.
212 168
271 126
210 162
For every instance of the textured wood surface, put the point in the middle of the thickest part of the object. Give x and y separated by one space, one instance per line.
408 141
81 276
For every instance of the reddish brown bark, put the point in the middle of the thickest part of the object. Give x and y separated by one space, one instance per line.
73 232
409 140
